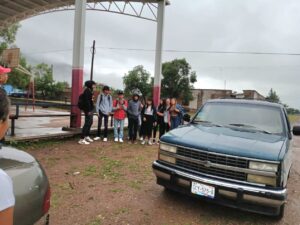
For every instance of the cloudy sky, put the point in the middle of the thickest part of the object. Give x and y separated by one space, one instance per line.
208 25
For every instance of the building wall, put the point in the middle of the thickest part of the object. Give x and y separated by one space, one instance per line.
203 95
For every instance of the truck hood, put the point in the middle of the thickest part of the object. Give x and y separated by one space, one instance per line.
11 157
227 141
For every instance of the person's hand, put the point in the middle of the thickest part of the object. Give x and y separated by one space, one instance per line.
144 119
155 123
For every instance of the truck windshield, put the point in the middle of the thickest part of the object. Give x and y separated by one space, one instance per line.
259 118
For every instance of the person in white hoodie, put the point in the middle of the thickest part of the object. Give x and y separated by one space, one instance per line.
104 108
7 199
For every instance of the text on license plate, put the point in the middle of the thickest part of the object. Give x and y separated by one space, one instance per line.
203 190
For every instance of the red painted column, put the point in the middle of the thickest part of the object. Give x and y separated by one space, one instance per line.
77 82
156 95
78 61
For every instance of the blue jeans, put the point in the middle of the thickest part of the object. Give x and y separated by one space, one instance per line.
118 123
175 122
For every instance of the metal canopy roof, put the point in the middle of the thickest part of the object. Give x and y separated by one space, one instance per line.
17 10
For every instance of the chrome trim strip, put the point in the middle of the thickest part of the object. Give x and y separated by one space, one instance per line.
219 166
223 184
215 153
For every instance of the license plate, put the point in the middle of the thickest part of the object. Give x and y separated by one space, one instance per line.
203 190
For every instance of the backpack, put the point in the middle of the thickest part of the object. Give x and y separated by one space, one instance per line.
109 99
80 103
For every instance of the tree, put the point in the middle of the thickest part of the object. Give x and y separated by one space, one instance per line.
273 97
139 78
8 36
178 79
46 85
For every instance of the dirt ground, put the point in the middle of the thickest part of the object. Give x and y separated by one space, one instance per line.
109 183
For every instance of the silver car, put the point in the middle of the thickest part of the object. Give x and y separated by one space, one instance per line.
31 186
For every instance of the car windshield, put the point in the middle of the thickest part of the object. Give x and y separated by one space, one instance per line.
258 118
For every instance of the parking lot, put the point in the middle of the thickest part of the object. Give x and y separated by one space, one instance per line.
108 183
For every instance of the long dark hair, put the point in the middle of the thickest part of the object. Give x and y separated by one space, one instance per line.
162 105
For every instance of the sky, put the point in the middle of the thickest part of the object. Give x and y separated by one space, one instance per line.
265 26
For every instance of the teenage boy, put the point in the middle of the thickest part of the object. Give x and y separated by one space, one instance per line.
88 109
134 112
119 108
104 109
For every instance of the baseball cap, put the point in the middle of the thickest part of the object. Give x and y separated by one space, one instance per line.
4 70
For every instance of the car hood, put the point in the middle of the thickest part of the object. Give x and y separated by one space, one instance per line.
228 141
11 157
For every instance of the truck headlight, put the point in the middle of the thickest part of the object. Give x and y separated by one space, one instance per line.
168 148
167 158
263 166
262 179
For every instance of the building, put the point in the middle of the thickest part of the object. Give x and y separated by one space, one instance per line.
200 96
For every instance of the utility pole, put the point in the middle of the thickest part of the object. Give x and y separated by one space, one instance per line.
93 54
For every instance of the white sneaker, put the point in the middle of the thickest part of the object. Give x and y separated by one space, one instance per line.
121 140
83 142
97 138
105 139
150 143
88 139
116 140
141 138
143 142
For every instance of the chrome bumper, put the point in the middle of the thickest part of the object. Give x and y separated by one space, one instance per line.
238 192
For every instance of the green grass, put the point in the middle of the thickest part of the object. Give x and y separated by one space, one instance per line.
96 221
36 144
111 168
90 170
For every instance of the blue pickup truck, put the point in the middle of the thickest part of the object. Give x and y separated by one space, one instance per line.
234 152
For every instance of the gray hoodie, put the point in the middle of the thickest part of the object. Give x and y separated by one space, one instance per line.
104 104
134 109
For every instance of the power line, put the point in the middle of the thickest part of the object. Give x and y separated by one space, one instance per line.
173 51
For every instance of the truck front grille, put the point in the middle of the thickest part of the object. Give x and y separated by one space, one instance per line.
213 158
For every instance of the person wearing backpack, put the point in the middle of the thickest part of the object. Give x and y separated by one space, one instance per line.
104 109
119 109
86 104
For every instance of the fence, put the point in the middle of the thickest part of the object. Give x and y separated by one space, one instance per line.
17 115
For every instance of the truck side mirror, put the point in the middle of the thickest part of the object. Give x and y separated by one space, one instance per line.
296 130
187 118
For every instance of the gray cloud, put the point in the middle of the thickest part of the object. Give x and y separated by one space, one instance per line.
248 25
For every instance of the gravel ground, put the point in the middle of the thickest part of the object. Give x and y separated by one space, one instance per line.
109 183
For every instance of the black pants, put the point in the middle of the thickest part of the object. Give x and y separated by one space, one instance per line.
147 128
88 122
155 131
163 128
101 116
133 124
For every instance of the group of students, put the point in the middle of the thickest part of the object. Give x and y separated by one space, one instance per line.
144 120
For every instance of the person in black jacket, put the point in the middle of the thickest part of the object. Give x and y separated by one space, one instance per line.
88 109
149 117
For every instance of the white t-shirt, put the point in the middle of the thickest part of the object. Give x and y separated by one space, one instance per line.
7 198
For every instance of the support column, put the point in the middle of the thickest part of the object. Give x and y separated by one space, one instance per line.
78 61
158 52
